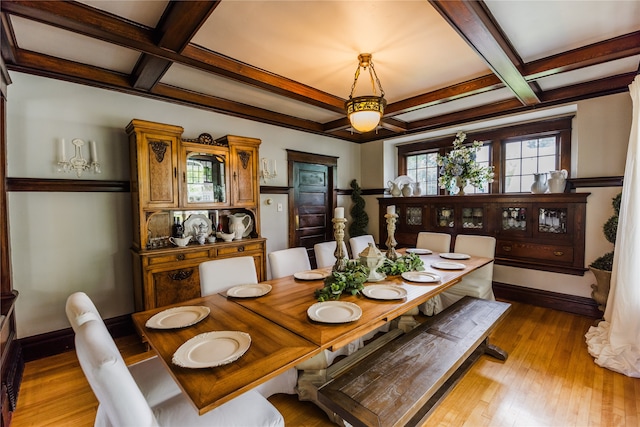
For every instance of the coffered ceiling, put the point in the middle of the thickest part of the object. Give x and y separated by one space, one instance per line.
292 63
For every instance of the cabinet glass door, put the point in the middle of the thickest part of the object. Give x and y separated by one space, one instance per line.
552 220
445 216
514 218
205 178
472 218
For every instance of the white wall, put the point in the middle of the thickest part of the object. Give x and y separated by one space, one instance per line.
64 242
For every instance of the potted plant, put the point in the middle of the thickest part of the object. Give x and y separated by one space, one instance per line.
601 267
359 217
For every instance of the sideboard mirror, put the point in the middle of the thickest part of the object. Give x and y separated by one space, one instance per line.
205 178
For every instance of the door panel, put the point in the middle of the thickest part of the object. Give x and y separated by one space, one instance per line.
312 192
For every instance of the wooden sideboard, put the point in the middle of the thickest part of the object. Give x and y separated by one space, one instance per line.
171 178
536 231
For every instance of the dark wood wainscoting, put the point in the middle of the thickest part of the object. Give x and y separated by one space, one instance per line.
557 301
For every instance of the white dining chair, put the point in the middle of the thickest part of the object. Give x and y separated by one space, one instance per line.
152 377
478 283
359 244
218 275
325 253
122 404
286 262
436 242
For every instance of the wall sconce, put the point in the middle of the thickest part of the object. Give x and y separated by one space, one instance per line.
268 169
78 163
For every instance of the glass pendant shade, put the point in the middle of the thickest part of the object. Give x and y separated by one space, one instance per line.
365 112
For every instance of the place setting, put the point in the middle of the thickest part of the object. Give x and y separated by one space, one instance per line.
211 349
384 292
454 255
252 290
311 275
334 312
178 317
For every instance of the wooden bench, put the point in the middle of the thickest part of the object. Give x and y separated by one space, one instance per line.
400 383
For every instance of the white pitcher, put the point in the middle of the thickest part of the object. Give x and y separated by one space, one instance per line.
558 181
394 189
238 224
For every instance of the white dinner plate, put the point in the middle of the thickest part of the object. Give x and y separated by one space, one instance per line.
178 317
334 312
212 349
384 292
448 265
420 276
249 291
311 275
419 251
454 255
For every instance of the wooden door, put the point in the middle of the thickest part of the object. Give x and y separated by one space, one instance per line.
311 204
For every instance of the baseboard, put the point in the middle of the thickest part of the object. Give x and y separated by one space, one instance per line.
570 303
56 342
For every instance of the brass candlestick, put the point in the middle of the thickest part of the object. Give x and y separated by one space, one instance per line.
391 240
338 234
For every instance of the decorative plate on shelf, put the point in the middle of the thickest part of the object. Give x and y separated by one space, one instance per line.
191 225
249 291
453 255
386 292
420 276
178 317
334 312
212 349
448 265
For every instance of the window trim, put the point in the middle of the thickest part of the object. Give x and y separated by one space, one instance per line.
560 126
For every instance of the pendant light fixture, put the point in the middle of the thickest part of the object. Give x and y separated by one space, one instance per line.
365 112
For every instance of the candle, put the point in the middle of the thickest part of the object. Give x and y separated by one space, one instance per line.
94 151
391 210
61 154
339 212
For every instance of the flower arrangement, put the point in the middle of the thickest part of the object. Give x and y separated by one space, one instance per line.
459 165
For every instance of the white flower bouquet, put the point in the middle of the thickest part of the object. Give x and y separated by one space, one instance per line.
459 166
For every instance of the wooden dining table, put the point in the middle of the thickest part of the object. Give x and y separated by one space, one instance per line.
282 333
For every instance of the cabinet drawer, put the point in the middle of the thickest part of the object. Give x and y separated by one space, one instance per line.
536 251
230 250
181 256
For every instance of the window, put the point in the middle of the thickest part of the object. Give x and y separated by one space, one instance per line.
422 168
515 152
523 158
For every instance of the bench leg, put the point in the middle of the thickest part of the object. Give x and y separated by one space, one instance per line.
494 351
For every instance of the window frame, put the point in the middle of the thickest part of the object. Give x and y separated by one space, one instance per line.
559 127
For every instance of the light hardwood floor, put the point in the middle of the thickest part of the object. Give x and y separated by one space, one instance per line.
549 379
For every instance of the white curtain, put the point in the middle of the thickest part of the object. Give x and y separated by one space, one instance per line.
615 342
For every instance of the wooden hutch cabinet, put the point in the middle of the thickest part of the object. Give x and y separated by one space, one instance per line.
536 231
198 180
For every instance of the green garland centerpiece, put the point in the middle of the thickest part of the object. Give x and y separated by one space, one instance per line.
408 262
458 167
351 281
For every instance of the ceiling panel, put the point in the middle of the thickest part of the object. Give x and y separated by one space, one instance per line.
317 43
73 47
202 82
626 65
539 29
145 12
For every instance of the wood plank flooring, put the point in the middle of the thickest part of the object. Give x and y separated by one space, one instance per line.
549 379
